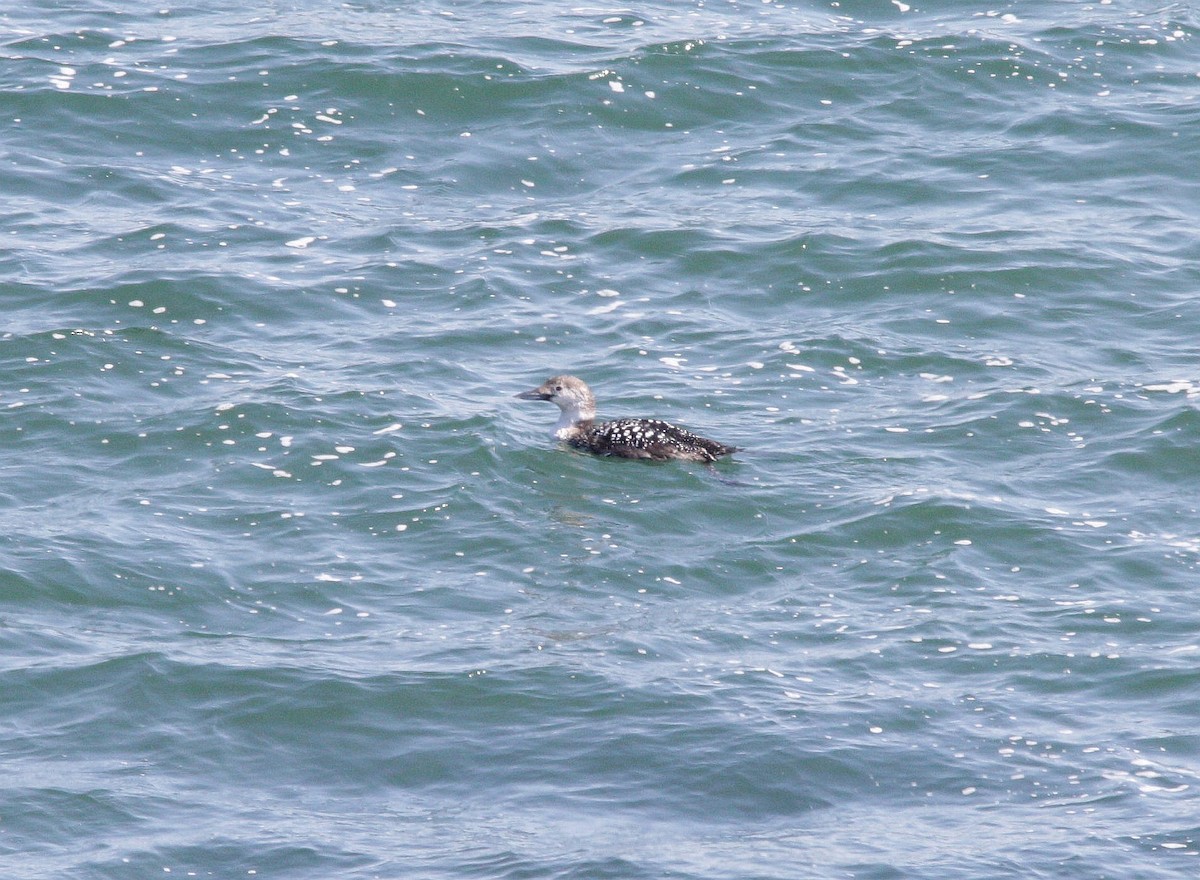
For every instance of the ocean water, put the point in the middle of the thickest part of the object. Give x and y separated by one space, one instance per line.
292 587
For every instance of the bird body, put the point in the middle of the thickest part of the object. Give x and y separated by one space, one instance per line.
623 438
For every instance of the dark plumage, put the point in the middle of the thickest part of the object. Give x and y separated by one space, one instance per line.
623 438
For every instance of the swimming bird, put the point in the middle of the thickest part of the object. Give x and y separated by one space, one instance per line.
623 438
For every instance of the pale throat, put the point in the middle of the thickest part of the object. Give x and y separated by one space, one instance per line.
570 417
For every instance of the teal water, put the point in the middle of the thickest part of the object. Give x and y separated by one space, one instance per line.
291 587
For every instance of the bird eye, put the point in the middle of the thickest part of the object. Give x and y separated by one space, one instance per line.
558 388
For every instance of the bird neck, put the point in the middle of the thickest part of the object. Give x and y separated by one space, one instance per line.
572 418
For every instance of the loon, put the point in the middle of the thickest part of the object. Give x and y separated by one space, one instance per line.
623 438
